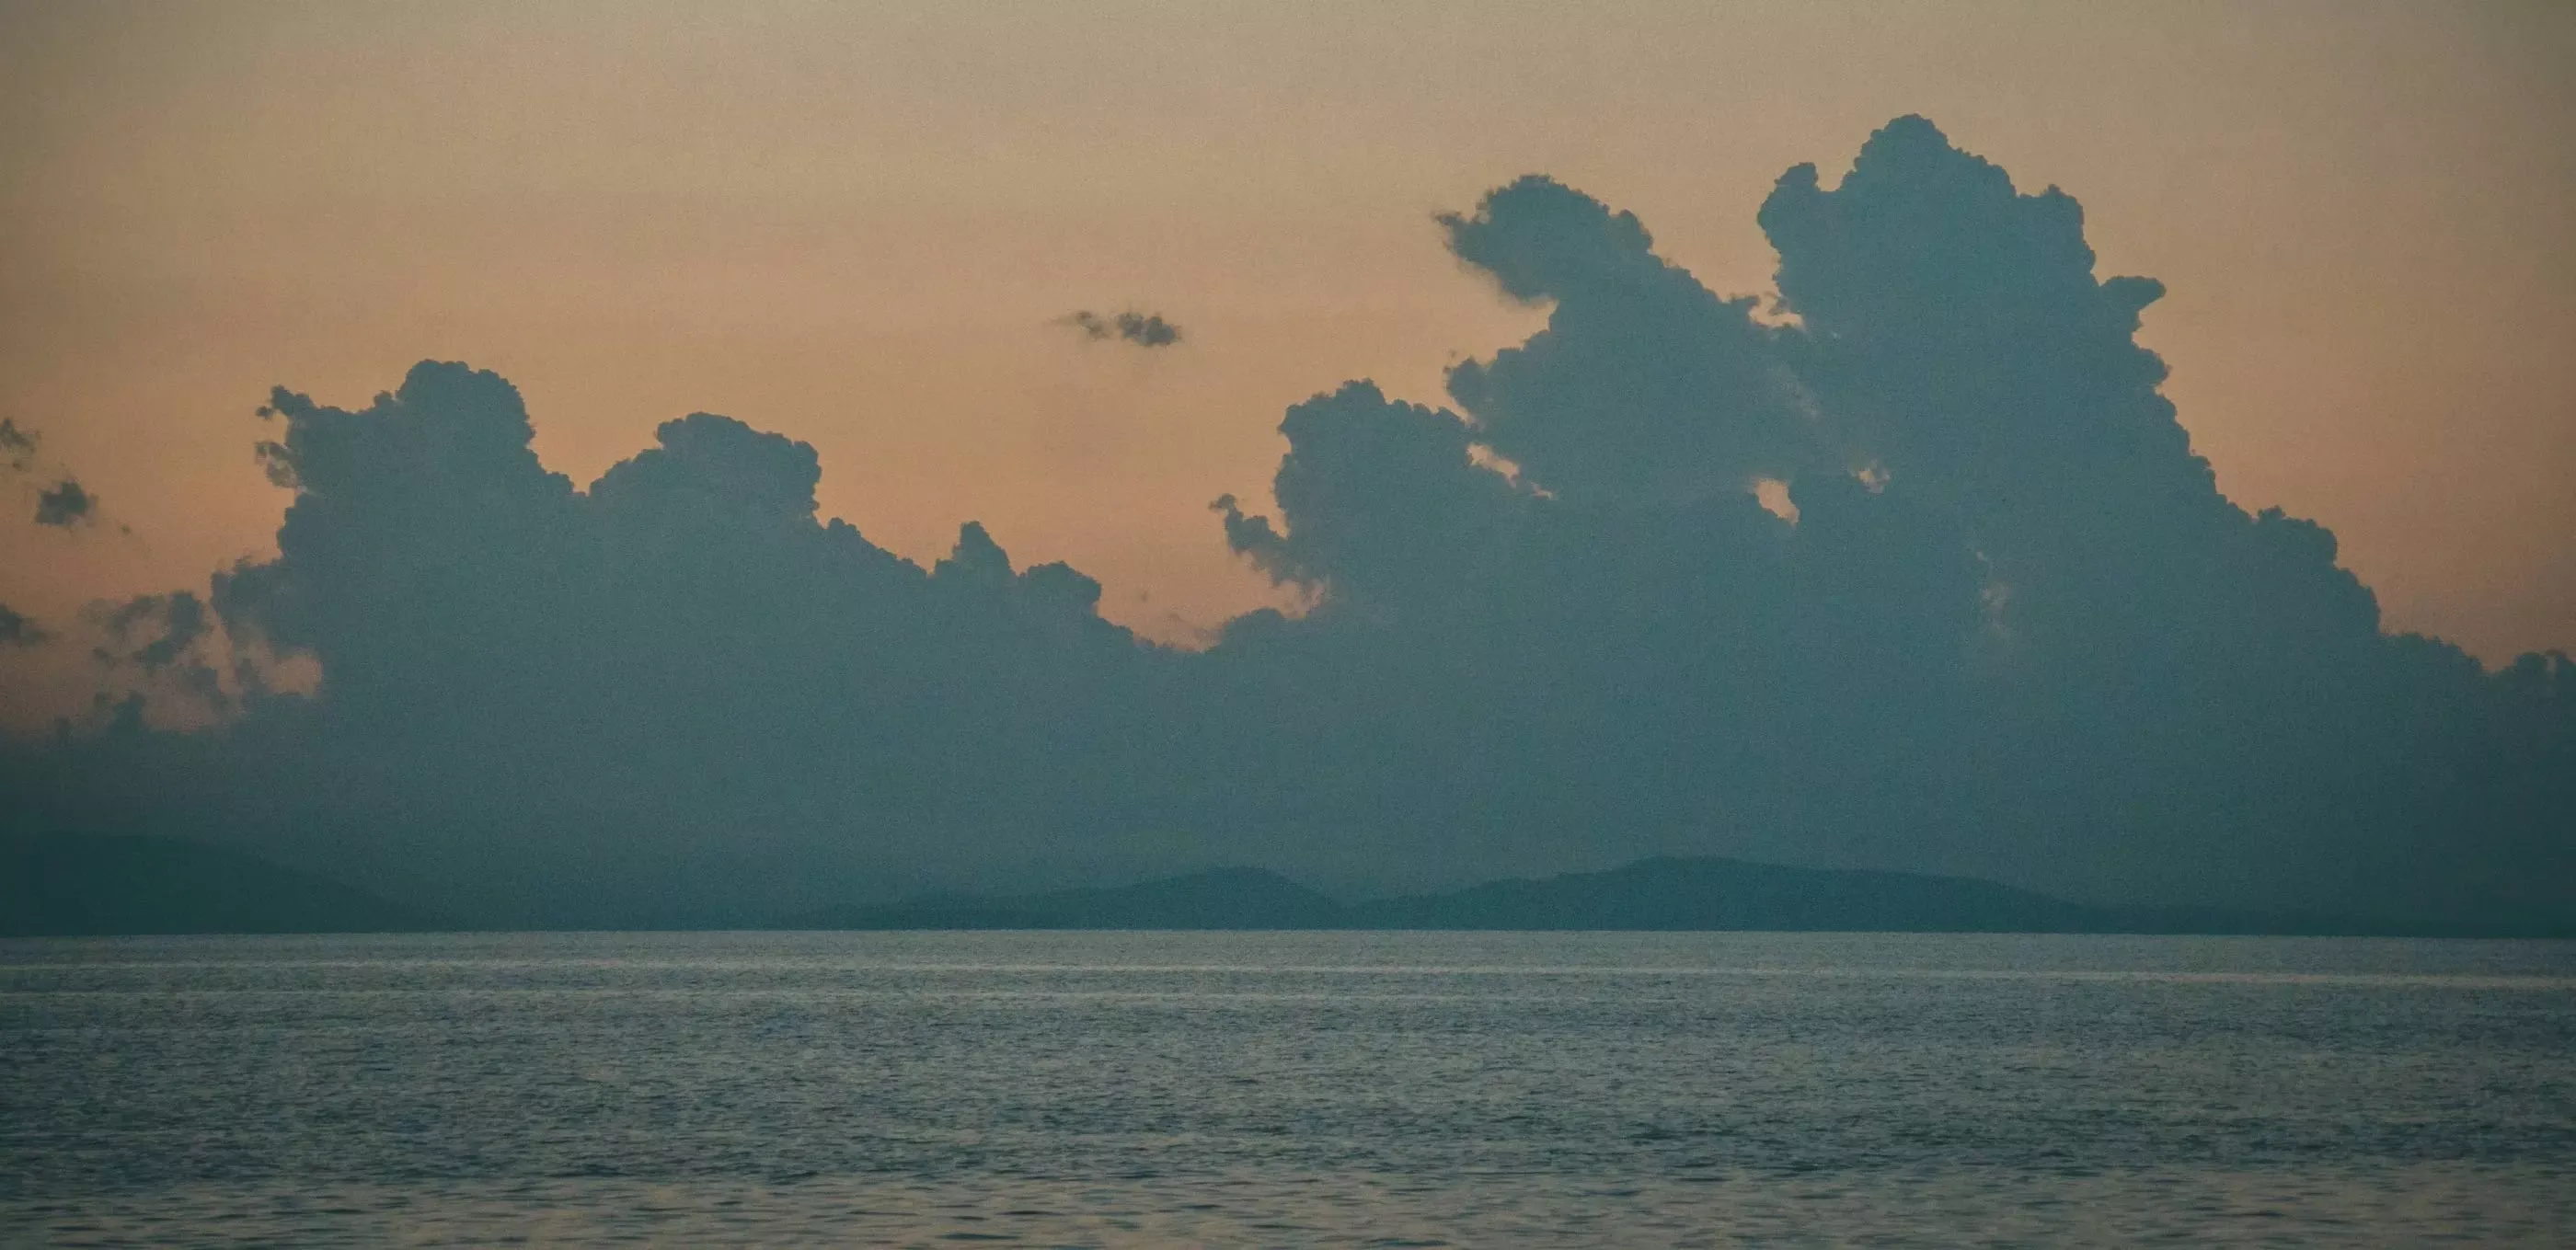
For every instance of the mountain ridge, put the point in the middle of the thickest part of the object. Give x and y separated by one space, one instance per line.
1660 894
104 884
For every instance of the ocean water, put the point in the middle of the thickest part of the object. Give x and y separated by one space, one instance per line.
1366 1089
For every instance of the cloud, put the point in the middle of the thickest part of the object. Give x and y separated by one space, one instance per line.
682 648
1955 331
154 631
1381 498
16 630
2013 631
2015 628
1644 385
65 504
17 446
1141 329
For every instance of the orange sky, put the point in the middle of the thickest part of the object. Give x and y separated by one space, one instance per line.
858 225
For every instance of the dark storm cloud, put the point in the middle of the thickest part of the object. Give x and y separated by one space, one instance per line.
1141 329
2014 630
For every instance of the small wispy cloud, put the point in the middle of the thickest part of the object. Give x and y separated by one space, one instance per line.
65 504
17 446
1141 329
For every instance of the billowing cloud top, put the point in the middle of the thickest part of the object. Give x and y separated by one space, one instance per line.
2014 630
1645 385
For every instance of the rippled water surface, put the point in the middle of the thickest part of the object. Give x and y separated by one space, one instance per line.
1288 1089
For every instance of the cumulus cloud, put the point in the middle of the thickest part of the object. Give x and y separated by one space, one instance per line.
1955 331
1141 329
681 647
2014 629
1644 385
1382 501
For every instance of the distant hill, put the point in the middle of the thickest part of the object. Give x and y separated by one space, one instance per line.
84 884
1651 894
63 885
1670 893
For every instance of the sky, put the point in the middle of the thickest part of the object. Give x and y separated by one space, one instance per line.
863 225
624 465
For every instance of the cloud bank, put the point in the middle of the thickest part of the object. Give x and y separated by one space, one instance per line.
2013 631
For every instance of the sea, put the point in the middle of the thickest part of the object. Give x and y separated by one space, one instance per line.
1287 1089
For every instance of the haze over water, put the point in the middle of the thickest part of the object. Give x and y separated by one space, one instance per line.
1311 1088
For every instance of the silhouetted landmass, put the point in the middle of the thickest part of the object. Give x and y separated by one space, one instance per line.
1668 894
1731 894
67 885
98 884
